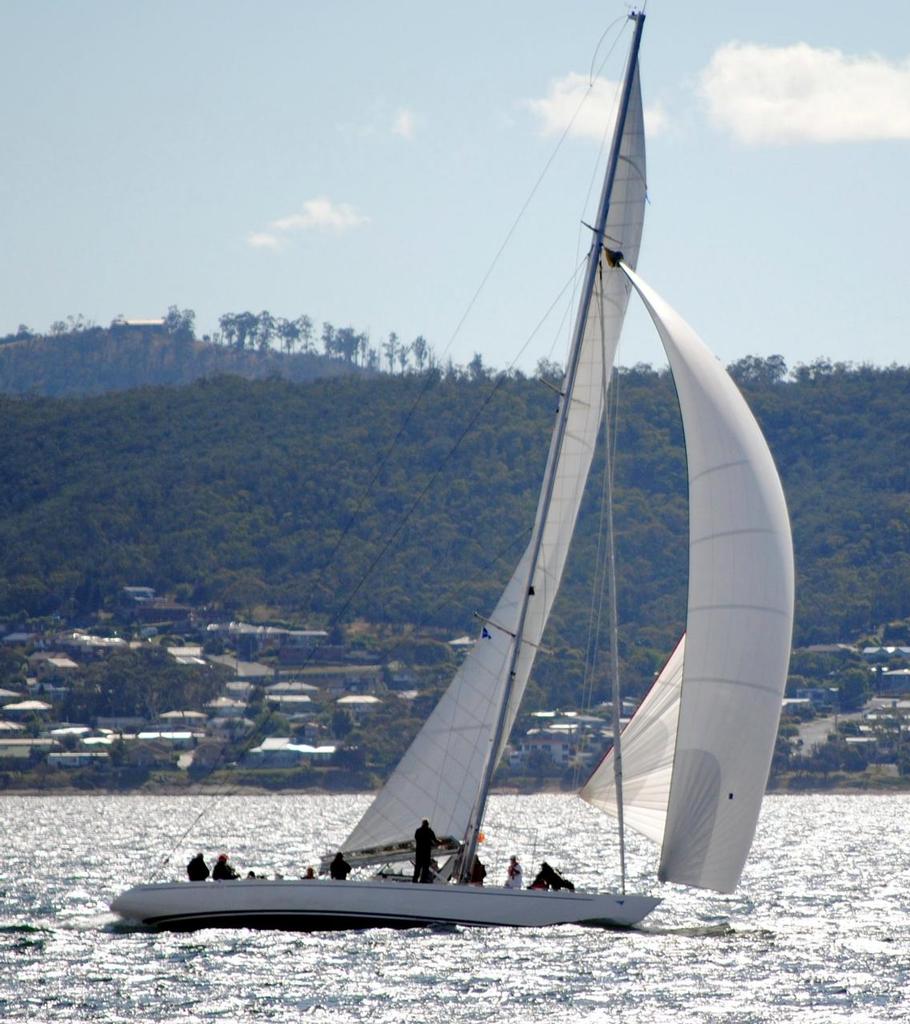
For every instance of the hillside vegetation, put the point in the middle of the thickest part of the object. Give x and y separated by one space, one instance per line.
291 500
95 360
78 357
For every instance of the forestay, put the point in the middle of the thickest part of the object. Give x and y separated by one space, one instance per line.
440 776
739 618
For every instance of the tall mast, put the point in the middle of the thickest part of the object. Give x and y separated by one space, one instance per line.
614 635
581 321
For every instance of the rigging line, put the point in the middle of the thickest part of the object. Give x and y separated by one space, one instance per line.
623 21
431 379
522 210
608 125
449 455
257 731
471 303
462 584
570 283
274 710
501 378
367 491
215 798
165 860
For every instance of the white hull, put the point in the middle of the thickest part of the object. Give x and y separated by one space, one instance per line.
321 905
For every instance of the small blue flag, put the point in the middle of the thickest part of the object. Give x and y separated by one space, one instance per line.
485 634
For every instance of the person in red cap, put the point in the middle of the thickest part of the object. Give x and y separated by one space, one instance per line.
222 871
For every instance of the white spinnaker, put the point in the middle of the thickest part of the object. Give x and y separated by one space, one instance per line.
440 775
739 618
648 745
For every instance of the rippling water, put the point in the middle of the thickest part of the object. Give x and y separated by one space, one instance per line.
818 931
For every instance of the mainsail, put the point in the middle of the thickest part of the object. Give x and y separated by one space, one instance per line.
738 631
441 776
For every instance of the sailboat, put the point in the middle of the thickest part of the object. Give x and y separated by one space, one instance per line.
691 767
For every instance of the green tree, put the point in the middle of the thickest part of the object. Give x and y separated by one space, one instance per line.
341 723
265 330
420 348
180 324
854 688
758 370
305 329
390 349
289 333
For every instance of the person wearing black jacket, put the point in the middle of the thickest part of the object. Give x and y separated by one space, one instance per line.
339 869
197 870
424 841
548 878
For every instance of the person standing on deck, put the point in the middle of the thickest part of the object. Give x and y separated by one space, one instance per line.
339 869
424 841
513 874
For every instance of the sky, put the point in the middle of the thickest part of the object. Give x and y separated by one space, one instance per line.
399 167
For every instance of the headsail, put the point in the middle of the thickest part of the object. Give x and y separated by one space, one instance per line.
739 619
441 775
648 746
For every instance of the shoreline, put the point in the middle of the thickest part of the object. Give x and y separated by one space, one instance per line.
845 788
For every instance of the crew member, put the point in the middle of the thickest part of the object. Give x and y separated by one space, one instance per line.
424 841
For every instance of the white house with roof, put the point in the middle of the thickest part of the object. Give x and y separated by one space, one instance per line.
189 654
27 708
291 686
183 717
244 671
291 703
21 748
876 653
557 746
358 704
46 666
280 751
226 707
77 758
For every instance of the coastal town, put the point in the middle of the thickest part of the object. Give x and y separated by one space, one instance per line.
274 707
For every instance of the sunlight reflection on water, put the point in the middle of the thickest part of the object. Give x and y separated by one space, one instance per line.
819 929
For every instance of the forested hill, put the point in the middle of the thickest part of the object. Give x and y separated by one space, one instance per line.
270 497
93 360
77 357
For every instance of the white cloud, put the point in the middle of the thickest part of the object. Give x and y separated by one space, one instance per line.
404 124
766 95
319 214
591 104
263 240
